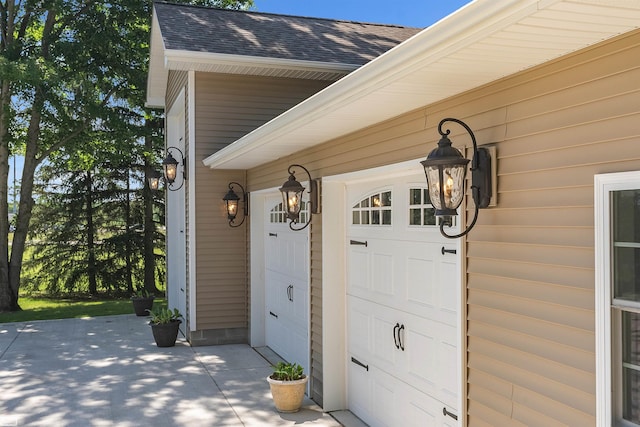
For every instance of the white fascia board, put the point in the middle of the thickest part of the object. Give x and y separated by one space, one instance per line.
178 59
155 102
476 20
157 75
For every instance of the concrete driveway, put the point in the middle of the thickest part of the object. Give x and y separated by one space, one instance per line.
107 371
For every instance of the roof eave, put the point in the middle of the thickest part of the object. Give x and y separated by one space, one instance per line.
437 63
161 60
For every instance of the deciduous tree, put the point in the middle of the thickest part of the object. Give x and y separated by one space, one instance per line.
67 67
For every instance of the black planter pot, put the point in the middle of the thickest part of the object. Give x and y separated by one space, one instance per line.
165 334
142 304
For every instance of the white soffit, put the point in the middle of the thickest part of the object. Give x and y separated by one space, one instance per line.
481 42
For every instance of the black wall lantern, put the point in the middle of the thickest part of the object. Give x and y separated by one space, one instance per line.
232 200
292 197
154 179
170 166
445 168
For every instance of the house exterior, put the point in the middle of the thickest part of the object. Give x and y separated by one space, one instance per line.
531 318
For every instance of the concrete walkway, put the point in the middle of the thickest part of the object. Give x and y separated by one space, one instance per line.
107 371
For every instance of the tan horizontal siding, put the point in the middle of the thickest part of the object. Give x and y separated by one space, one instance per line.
543 235
532 373
530 298
316 309
229 107
529 260
221 268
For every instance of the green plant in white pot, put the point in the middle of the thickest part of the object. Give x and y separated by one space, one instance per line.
288 384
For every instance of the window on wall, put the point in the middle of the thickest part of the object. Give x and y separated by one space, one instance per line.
374 209
618 299
625 280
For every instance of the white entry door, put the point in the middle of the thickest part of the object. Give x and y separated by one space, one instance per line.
286 287
176 224
402 298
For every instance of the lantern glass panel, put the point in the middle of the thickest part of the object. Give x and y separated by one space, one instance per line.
154 183
292 202
453 189
170 172
232 208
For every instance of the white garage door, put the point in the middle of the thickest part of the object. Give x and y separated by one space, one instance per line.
286 287
402 298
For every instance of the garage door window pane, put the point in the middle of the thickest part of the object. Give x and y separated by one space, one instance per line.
415 196
415 216
276 215
429 216
386 217
375 209
386 198
375 217
425 215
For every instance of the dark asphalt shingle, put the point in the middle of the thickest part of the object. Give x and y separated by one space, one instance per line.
201 29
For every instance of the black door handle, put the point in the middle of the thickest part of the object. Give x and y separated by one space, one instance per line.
450 414
395 335
401 328
273 234
448 251
290 292
359 363
273 314
355 242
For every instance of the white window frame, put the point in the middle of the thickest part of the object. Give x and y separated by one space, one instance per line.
606 412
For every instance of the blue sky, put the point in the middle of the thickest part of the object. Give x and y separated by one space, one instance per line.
410 13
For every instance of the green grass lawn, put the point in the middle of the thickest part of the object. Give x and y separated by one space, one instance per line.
47 309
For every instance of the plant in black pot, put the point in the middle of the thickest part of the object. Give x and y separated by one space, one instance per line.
142 302
288 384
164 325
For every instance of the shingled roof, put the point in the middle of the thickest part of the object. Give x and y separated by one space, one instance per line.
221 31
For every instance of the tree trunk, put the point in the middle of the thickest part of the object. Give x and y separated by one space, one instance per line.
127 244
149 225
25 207
91 251
8 300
